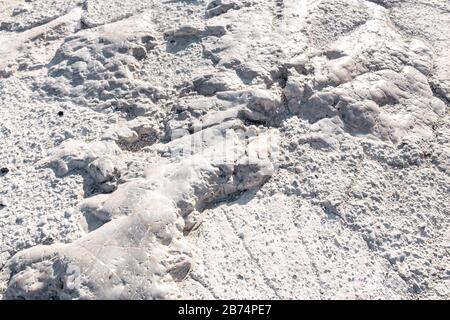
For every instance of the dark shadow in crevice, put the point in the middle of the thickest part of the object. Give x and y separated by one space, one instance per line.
177 44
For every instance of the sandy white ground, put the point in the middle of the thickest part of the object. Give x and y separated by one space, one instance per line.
224 149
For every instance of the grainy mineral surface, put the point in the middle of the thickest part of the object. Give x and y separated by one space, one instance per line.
212 149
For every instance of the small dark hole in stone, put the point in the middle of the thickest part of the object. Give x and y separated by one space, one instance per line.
48 241
60 113
4 170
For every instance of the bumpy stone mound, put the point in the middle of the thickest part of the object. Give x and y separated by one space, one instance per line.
98 66
140 246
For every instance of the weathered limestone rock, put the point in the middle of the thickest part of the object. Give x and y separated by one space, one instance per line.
224 149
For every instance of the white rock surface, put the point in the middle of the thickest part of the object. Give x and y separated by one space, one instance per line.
225 149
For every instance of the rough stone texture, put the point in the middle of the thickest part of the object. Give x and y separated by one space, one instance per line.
224 149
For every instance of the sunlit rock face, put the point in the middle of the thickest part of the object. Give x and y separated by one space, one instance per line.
224 149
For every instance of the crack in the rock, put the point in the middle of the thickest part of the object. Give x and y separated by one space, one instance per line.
200 281
267 281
